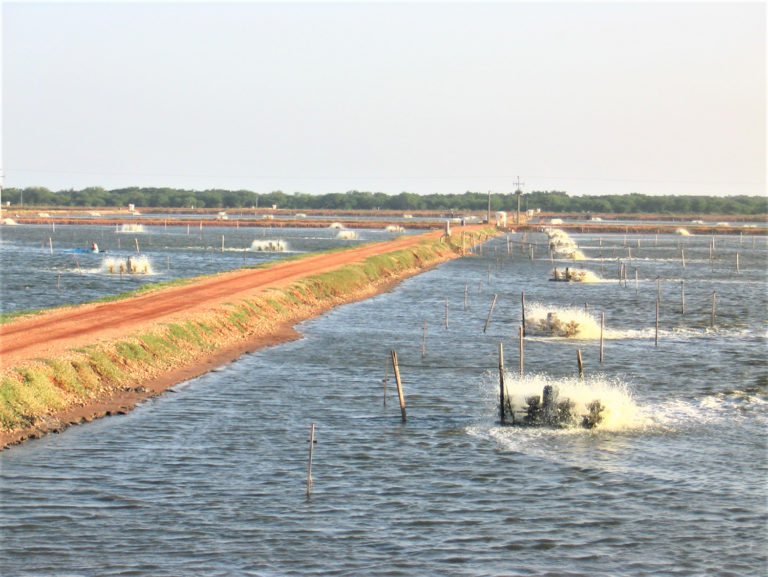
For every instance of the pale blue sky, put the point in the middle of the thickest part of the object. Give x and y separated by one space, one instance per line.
589 98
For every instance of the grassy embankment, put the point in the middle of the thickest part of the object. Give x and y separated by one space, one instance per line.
31 393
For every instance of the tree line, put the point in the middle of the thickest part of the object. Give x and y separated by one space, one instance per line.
546 201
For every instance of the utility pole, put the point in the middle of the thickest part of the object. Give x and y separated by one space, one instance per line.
518 194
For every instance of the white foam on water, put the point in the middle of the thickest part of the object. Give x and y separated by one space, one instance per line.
620 410
579 274
347 235
131 228
276 245
130 265
556 321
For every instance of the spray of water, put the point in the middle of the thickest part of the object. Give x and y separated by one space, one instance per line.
268 246
576 275
347 235
131 265
620 412
562 245
131 227
554 321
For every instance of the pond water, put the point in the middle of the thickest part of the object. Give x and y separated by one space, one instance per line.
212 477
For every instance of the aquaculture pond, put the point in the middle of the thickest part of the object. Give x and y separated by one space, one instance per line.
211 478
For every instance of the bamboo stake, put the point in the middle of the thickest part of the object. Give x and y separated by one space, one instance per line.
490 312
522 352
737 264
714 301
309 465
522 306
656 338
399 384
136 240
501 383
580 363
222 243
50 245
78 265
682 256
602 329
682 297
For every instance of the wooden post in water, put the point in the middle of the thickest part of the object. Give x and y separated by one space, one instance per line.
309 465
682 297
50 245
222 243
682 256
522 306
737 264
602 329
656 338
490 312
136 240
658 288
522 364
636 283
399 384
78 265
446 314
714 301
58 281
501 383
580 363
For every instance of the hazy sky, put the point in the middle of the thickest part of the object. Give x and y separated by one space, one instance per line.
589 98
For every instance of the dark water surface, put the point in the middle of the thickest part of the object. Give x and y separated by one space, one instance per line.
211 479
